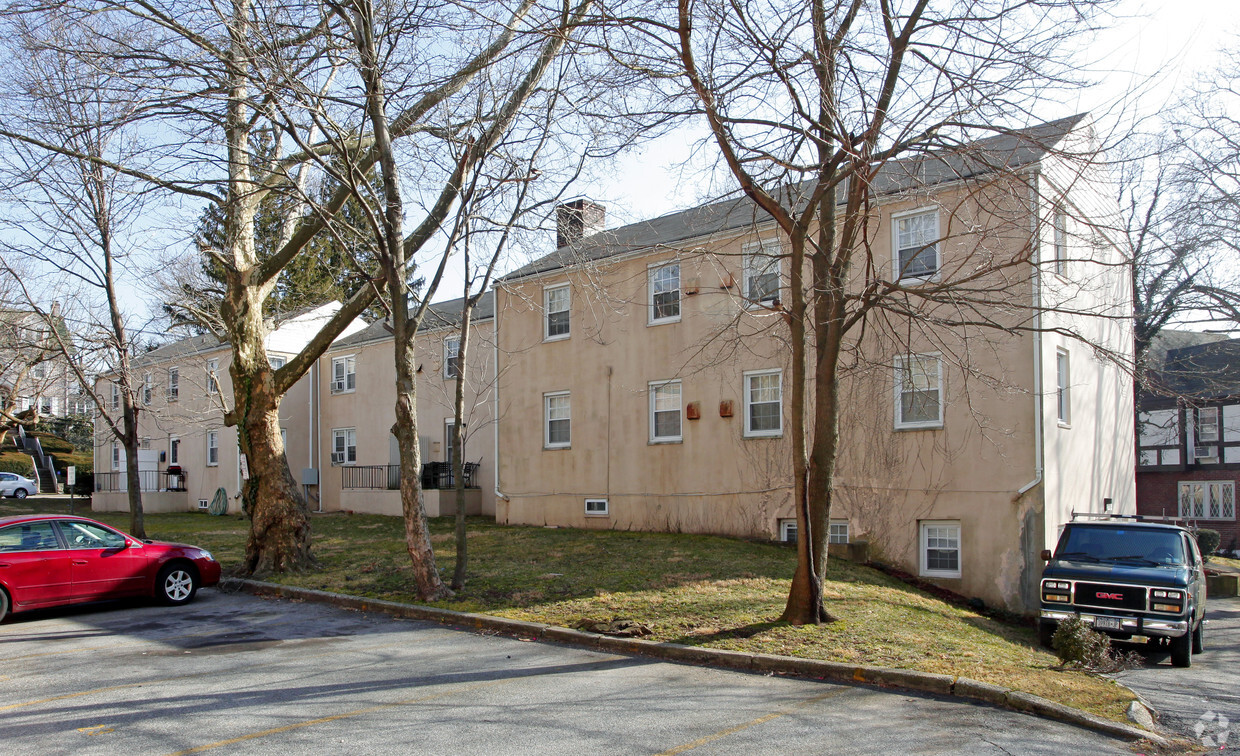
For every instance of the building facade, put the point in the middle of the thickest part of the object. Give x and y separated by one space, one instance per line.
644 374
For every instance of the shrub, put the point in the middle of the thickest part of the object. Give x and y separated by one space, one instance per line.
25 468
1208 541
1076 644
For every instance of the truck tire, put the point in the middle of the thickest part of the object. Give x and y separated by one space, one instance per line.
1199 637
1182 650
1046 633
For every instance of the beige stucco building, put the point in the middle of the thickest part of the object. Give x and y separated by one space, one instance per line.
335 421
643 370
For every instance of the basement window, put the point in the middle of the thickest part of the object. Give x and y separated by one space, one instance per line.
596 508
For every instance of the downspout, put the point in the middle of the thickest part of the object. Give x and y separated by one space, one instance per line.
1034 229
495 388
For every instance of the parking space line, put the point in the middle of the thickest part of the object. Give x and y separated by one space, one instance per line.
335 718
752 723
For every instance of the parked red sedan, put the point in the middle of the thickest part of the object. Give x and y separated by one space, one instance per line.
51 560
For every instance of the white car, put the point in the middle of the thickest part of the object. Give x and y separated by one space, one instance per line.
12 484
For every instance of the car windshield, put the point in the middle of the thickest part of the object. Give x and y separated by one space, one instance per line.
1120 544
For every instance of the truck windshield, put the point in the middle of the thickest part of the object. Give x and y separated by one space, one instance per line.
1105 544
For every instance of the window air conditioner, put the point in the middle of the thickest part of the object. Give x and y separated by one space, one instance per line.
337 387
1204 452
337 458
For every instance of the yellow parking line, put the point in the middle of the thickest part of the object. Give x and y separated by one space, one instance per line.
745 726
334 718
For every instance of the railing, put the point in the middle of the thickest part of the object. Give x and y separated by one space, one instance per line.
435 475
382 477
148 480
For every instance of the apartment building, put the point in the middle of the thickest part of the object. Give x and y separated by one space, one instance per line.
644 371
335 422
33 371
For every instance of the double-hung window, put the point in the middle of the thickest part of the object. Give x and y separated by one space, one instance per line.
344 374
919 391
213 448
174 383
940 548
761 269
174 451
665 293
277 361
764 414
213 381
449 440
665 412
344 446
1063 387
917 245
452 357
556 303
116 456
1060 221
148 387
557 420
116 395
837 531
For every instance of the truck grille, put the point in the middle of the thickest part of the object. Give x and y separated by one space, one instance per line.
1110 596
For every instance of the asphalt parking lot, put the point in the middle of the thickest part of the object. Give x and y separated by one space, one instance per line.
234 673
1201 703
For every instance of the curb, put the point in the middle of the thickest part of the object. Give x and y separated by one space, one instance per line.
904 679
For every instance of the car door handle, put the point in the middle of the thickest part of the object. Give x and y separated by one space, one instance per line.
80 561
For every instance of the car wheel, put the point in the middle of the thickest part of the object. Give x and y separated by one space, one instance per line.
1199 637
20 493
1046 633
4 605
1182 650
176 584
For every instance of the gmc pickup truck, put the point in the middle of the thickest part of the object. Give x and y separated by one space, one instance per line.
1128 578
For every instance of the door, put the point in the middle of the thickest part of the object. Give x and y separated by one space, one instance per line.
104 563
33 566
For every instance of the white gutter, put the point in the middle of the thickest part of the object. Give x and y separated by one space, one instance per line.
1035 230
495 387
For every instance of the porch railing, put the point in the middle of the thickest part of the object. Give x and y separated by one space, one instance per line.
148 480
435 475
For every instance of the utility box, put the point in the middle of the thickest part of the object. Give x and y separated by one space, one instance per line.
310 476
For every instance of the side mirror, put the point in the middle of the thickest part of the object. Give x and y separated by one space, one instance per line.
1046 555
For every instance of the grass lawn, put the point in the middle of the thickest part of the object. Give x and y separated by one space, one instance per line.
1225 561
696 590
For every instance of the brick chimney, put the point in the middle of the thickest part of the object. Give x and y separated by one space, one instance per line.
577 219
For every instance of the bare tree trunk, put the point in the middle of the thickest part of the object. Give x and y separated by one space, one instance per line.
458 442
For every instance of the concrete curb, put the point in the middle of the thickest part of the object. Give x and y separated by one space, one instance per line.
904 679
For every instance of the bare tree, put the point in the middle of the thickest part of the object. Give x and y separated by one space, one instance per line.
71 214
806 105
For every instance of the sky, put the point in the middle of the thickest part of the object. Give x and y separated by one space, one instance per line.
1157 44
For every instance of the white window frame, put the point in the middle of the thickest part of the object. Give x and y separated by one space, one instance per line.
449 435
451 357
1224 491
1063 387
768 252
213 381
898 273
174 451
38 372
148 388
900 372
174 383
547 420
346 383
116 456
655 387
116 395
838 531
277 361
603 511
1059 247
1202 422
48 402
747 391
346 450
788 530
548 293
213 448
652 272
925 527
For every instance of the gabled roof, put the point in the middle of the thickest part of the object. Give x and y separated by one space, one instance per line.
1202 371
1001 152
439 315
